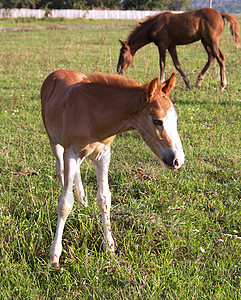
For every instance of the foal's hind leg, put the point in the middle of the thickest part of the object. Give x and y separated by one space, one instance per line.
214 52
65 204
204 70
79 185
58 152
220 58
173 53
104 196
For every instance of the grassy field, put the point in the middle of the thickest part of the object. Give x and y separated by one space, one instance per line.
54 23
178 234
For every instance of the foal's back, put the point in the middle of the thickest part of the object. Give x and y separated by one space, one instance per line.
188 27
58 82
53 98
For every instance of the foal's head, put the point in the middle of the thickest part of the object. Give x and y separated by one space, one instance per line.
157 124
125 58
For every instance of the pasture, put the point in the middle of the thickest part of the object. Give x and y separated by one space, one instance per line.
178 233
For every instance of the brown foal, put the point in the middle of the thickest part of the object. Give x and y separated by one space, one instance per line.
82 114
167 30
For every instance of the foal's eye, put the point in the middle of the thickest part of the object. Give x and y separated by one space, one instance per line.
157 122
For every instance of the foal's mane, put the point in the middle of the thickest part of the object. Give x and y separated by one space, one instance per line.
145 24
115 81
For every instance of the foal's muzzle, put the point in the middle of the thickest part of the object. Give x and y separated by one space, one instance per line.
171 164
173 160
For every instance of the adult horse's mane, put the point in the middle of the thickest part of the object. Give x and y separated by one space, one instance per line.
112 80
145 24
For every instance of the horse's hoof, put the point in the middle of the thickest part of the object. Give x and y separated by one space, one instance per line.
187 82
198 84
54 266
83 202
110 249
54 262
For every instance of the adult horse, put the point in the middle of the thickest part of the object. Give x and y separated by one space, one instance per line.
167 30
82 114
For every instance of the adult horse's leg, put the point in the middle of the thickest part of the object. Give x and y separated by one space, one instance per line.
79 186
65 204
204 70
162 62
58 152
104 196
173 53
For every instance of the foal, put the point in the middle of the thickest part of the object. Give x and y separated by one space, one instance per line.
82 114
167 30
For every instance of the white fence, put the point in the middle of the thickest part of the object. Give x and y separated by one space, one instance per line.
74 13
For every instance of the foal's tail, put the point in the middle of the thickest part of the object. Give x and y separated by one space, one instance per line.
233 26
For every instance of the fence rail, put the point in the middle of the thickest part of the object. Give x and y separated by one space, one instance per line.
74 13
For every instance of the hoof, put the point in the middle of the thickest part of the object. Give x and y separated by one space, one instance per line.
198 84
110 249
54 262
54 266
84 203
188 85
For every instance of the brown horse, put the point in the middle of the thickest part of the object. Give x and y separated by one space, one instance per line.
82 114
167 30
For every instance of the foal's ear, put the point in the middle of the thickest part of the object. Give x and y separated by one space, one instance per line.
123 44
169 84
152 86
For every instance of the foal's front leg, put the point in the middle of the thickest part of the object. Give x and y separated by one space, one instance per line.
173 53
104 197
208 64
65 204
79 186
162 61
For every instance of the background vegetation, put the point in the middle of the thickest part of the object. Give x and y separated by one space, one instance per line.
227 6
177 233
90 4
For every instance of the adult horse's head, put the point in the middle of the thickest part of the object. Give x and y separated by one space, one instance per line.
125 58
157 124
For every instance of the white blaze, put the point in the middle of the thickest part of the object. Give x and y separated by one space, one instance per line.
170 127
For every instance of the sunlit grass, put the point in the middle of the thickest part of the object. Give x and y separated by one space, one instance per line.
54 23
177 233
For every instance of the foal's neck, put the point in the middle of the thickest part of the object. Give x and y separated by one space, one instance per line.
139 39
116 112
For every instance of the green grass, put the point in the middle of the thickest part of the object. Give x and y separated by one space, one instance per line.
54 23
177 233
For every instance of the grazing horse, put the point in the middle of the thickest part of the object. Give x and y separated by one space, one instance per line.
167 30
82 114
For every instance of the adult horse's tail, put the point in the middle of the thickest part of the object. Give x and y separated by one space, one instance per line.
234 27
